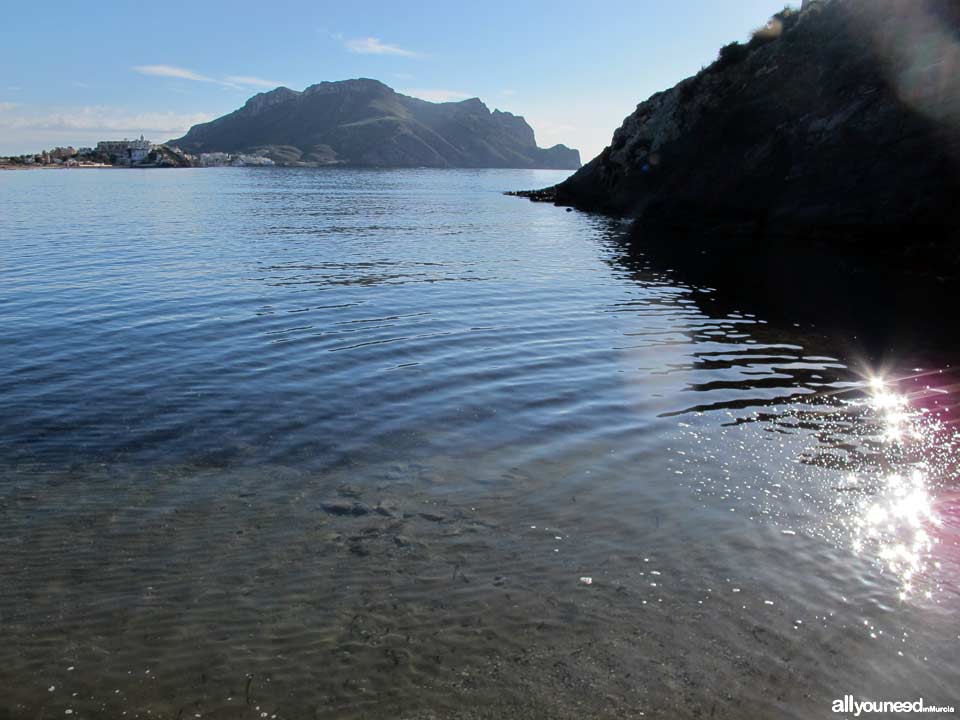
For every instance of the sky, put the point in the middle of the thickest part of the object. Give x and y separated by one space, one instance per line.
73 73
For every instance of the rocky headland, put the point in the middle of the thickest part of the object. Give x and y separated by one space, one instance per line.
829 142
364 123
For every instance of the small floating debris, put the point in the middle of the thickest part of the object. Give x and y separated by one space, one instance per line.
788 532
586 580
768 602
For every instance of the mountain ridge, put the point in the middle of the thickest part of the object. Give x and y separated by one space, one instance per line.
363 122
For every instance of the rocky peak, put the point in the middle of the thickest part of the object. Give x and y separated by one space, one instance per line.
355 85
362 122
264 100
516 125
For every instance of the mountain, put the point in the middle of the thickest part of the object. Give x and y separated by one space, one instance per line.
836 127
365 123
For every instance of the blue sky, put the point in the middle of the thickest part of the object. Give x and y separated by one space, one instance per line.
74 73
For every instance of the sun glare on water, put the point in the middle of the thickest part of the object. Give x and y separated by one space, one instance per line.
896 521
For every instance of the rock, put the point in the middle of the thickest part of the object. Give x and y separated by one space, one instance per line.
841 128
358 549
386 508
345 507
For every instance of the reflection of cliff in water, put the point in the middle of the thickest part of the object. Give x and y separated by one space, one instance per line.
789 417
744 354
792 346
866 309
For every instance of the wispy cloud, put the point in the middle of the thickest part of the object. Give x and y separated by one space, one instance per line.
7 106
236 82
103 119
437 94
250 81
171 71
374 46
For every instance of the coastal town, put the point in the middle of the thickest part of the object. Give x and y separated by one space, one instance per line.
126 153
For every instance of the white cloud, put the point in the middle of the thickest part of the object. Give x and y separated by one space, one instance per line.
171 71
22 132
437 95
373 46
235 82
250 81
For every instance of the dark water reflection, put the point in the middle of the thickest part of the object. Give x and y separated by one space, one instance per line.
345 444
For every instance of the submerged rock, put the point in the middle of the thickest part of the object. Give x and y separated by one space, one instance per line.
345 507
386 508
349 491
432 516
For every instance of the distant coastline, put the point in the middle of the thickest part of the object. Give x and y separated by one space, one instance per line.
78 166
349 123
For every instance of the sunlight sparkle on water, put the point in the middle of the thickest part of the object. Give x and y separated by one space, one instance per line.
895 523
862 465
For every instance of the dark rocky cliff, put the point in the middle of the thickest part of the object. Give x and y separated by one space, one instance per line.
365 123
837 127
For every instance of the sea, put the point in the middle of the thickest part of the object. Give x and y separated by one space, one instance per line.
333 443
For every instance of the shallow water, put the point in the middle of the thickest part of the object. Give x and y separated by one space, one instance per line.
350 444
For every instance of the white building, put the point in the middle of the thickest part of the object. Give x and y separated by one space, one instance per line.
214 159
127 152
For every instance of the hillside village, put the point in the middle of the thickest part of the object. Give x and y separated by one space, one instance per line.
126 153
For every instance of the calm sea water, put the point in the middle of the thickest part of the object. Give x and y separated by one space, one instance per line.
301 443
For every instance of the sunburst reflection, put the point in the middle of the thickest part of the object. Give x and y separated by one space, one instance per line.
895 522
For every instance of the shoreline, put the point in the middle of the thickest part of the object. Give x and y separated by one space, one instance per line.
10 166
300 166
